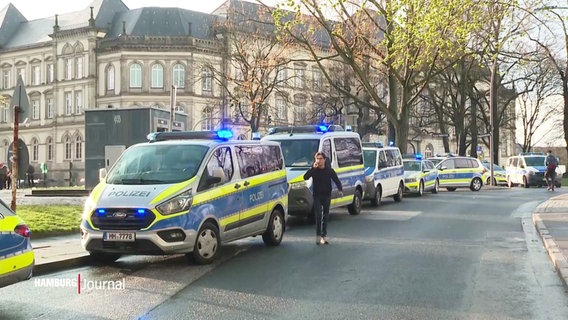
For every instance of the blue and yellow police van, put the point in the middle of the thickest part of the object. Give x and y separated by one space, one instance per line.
344 153
187 192
420 175
384 173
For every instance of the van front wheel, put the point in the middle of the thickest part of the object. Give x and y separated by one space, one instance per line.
355 207
207 244
276 226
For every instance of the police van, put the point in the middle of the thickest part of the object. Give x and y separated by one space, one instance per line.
384 173
344 153
527 169
187 192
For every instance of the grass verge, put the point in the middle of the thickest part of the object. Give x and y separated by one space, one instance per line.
51 218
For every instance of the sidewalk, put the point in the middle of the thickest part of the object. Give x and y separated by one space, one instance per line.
551 221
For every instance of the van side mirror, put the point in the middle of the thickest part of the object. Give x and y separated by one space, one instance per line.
213 180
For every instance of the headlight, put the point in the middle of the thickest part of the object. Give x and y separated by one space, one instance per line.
369 179
410 180
298 185
88 208
178 204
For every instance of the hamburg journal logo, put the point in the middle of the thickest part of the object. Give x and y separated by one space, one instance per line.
80 284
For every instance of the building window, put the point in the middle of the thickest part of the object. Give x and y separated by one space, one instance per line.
78 148
35 109
49 145
281 75
300 111
4 112
6 79
300 77
68 148
68 69
207 122
36 76
317 79
157 76
35 150
79 67
136 76
68 103
179 76
78 102
50 73
22 73
110 78
207 80
280 108
49 106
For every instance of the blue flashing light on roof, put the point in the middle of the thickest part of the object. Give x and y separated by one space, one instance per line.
391 143
225 134
418 156
322 128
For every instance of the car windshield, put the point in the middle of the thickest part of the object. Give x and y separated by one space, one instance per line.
496 167
369 158
300 152
412 165
157 164
535 161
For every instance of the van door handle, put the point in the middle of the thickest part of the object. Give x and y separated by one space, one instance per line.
237 186
246 183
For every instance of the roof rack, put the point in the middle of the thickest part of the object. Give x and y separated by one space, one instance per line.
189 135
306 129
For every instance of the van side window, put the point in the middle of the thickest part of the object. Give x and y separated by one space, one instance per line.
393 157
326 149
348 151
219 169
462 163
256 159
449 164
382 159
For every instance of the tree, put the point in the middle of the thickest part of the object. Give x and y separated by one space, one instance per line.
551 25
255 57
540 83
393 44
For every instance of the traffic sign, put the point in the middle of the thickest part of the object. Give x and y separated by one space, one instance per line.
20 99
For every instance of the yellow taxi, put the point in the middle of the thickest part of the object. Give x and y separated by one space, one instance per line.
16 254
420 175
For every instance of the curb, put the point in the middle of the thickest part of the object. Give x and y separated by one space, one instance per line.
55 266
556 255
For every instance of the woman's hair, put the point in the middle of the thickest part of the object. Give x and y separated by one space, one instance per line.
319 153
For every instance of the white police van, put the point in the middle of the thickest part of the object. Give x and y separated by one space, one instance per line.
384 173
187 192
342 149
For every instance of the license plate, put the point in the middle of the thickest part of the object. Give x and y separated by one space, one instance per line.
119 236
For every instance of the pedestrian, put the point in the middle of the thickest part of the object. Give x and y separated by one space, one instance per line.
322 174
30 176
3 175
550 174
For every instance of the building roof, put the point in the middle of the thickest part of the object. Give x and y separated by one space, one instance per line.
16 31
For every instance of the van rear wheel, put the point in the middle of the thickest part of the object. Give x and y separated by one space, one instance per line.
276 226
355 207
207 244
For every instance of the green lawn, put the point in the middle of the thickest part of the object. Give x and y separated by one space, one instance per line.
51 218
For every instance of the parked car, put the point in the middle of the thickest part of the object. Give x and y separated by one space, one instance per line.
420 175
16 254
461 172
499 172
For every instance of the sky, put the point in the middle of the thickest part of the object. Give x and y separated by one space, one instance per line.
35 9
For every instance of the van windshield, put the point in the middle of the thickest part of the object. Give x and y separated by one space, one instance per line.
300 152
369 158
157 164
535 161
